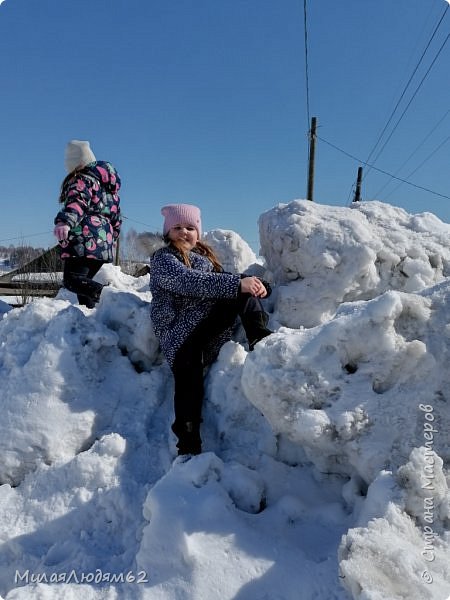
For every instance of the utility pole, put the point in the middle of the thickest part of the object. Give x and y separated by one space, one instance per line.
311 160
357 197
117 257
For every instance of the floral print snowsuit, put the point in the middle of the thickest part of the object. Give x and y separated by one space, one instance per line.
92 211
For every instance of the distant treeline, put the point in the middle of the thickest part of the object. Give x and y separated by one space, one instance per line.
134 247
16 256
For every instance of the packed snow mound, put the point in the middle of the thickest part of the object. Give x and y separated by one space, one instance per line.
398 551
322 256
4 308
76 505
347 391
234 254
57 363
325 465
236 429
384 561
198 515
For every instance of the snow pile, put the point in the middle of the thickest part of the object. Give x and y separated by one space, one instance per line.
346 391
207 536
322 255
325 465
234 254
393 551
4 308
55 360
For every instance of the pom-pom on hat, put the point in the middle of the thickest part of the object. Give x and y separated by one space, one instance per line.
78 154
181 214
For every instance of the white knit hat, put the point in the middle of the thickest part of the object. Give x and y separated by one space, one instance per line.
78 154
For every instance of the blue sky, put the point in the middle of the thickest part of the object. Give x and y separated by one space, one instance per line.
205 101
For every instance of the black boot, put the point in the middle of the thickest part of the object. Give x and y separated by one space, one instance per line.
88 293
255 326
188 434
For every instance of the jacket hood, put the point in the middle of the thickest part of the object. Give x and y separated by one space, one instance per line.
105 173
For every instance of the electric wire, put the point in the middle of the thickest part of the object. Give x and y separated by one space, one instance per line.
305 22
405 162
405 90
24 237
421 165
351 193
381 170
137 222
412 98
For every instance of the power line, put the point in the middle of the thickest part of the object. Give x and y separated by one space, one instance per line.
412 98
421 164
137 222
405 89
306 61
25 237
381 170
405 162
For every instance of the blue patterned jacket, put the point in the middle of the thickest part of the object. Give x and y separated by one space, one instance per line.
182 297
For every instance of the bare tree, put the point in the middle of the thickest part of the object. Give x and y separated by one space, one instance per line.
37 273
137 249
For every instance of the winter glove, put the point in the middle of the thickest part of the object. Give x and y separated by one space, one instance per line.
61 231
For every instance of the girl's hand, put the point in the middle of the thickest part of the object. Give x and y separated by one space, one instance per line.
253 286
61 231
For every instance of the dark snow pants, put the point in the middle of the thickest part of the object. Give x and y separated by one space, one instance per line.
188 365
78 274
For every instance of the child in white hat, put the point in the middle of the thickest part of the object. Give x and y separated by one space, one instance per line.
88 223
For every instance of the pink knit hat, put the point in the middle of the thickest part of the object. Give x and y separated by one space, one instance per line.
181 214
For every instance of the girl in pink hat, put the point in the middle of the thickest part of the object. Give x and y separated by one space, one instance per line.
195 305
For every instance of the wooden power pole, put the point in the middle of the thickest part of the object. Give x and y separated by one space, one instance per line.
311 160
117 257
357 197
